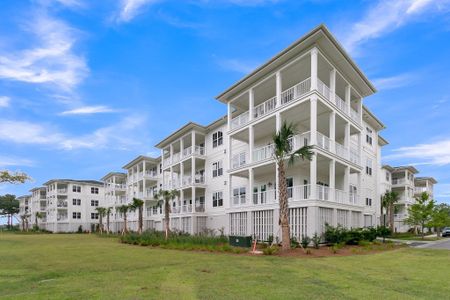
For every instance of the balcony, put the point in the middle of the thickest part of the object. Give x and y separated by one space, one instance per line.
62 191
62 204
43 208
298 141
400 181
199 207
297 193
293 93
198 179
186 208
61 218
187 152
421 189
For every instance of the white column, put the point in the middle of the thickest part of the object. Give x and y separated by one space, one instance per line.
313 120
348 96
171 177
360 110
229 115
333 131
251 141
181 147
229 149
250 186
278 88
193 200
193 169
143 178
332 85
332 177
347 136
314 53
278 127
251 104
193 141
181 173
230 192
359 191
346 179
313 176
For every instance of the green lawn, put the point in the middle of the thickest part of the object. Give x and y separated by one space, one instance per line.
89 267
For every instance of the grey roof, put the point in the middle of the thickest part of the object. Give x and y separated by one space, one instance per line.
94 182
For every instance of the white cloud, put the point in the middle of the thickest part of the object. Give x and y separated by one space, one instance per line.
88 110
50 58
236 65
131 8
121 135
9 161
4 101
386 16
437 153
393 82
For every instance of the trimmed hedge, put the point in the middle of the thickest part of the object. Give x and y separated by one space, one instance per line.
339 234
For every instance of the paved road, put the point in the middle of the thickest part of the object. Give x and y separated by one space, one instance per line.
442 244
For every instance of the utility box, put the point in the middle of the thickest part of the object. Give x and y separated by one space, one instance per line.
241 241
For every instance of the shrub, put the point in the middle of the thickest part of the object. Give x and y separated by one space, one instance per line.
80 229
352 236
270 239
294 242
270 250
316 240
305 241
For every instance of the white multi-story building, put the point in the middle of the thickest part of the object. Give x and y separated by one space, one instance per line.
25 208
39 204
72 203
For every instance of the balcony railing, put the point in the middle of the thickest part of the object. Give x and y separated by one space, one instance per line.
421 189
399 181
62 191
263 153
240 120
61 217
199 207
198 179
238 160
298 193
186 208
265 107
61 204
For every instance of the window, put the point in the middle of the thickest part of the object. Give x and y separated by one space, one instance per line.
94 202
368 201
76 215
388 176
76 188
217 139
239 195
217 199
160 168
368 136
94 190
94 216
217 169
369 167
76 202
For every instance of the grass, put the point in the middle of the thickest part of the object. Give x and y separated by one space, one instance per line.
407 236
88 267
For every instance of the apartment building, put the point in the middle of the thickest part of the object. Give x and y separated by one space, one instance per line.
39 204
72 203
403 181
25 206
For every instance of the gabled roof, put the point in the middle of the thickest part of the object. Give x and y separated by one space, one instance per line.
38 188
388 167
139 159
110 174
430 179
382 141
93 182
409 168
320 36
370 118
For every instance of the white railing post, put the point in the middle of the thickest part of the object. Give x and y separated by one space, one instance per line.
332 171
333 85
313 120
278 88
251 101
333 131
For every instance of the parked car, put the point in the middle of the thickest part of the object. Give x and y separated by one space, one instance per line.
446 231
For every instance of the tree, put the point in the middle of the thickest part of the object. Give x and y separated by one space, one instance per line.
420 213
164 197
283 150
124 209
139 205
38 215
101 213
388 201
108 213
9 206
23 219
440 218
13 177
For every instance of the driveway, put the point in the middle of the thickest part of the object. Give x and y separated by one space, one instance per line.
441 244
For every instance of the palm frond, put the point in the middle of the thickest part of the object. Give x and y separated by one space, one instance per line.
304 153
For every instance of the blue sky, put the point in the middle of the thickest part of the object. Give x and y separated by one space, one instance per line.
85 86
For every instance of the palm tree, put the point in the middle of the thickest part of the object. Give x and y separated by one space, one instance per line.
284 150
108 213
124 209
139 205
23 218
101 213
390 198
38 215
164 197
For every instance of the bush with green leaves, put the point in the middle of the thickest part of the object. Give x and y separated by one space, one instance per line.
316 240
352 236
305 241
270 250
294 242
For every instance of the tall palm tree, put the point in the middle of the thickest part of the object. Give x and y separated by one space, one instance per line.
124 209
139 205
101 213
108 213
390 198
22 219
37 215
164 197
284 150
